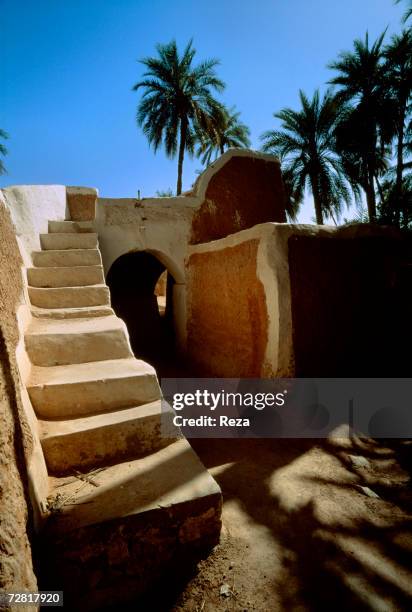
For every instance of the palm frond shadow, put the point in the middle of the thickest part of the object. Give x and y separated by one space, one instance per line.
326 565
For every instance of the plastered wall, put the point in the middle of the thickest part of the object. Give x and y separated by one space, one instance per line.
16 443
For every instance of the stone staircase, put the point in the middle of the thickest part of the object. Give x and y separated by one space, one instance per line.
124 501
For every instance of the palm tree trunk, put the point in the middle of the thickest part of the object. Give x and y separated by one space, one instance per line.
370 197
371 203
399 164
316 200
380 191
182 147
333 217
399 153
369 161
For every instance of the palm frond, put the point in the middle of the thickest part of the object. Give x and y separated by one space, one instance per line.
222 130
3 151
305 144
408 13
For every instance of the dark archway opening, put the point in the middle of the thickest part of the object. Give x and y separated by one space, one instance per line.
132 280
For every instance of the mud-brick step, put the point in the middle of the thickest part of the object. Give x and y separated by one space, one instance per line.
56 342
70 227
69 297
137 520
104 439
71 313
69 276
68 240
88 388
64 257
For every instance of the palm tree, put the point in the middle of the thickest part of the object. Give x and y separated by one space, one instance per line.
293 194
408 12
392 201
353 149
398 55
305 145
228 131
366 127
3 151
177 100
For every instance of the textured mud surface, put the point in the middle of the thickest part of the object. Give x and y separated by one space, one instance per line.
300 532
15 556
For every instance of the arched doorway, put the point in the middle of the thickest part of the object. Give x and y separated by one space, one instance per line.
133 282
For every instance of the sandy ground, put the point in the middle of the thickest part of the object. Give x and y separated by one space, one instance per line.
299 532
308 525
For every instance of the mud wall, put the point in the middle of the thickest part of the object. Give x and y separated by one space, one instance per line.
351 298
288 300
244 191
16 570
238 304
241 189
228 324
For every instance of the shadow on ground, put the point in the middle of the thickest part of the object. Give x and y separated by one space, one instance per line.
336 547
298 531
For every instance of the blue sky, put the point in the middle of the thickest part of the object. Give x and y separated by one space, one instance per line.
67 68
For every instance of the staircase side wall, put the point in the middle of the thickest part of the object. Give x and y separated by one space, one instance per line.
16 440
31 207
26 216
